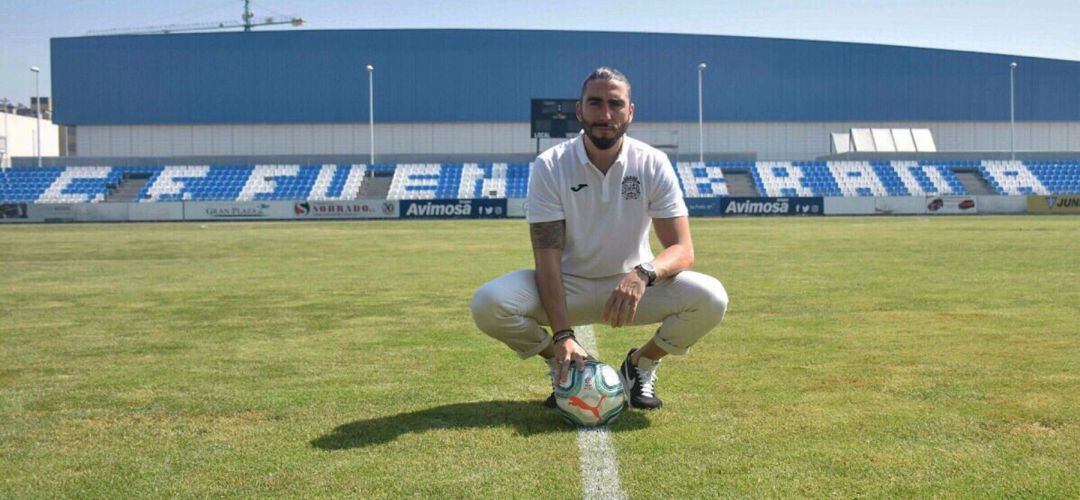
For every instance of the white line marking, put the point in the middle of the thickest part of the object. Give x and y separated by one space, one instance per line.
599 467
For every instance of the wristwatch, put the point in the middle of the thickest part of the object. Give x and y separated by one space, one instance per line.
648 271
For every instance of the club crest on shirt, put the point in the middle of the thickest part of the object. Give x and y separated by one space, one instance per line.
631 188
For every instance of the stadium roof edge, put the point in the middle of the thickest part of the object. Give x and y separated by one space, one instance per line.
283 32
316 76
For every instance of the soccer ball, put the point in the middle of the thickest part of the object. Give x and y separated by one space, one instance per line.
591 397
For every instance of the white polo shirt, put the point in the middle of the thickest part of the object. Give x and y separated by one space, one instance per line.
607 216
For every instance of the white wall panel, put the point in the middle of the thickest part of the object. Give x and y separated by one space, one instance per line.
89 141
280 140
424 138
1040 136
102 136
394 140
1023 138
903 140
183 140
304 140
202 140
1058 135
883 140
343 140
140 142
263 139
770 141
362 138
161 139
984 138
924 139
320 138
951 138
123 138
494 134
442 138
863 140
243 139
221 139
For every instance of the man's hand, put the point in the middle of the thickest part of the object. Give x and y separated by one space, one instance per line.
569 352
621 307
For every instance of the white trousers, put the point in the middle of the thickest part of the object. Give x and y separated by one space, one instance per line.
508 308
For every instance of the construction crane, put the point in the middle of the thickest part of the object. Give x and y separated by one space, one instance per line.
247 24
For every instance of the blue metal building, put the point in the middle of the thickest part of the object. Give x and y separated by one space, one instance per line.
431 86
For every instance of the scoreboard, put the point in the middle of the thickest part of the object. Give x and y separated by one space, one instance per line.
554 118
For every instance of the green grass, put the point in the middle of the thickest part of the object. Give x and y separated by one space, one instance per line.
860 357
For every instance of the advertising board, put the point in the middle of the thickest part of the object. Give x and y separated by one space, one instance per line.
1053 204
453 209
346 209
900 205
13 211
849 205
50 212
158 211
813 205
515 207
702 207
238 210
951 205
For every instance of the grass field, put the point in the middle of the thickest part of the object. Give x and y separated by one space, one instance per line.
860 357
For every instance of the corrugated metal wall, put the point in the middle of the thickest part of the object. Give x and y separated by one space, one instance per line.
769 141
490 75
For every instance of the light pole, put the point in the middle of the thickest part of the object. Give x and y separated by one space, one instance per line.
3 159
1012 110
371 109
700 117
37 91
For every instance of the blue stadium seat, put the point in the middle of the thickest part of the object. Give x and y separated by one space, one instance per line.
501 180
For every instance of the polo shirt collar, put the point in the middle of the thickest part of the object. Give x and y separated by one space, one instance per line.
583 157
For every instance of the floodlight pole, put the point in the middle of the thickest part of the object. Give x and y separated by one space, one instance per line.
7 139
700 116
1012 110
371 110
37 91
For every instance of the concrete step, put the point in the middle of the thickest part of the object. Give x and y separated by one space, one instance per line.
974 183
127 191
740 184
375 187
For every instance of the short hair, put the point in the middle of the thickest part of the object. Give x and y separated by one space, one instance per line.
605 73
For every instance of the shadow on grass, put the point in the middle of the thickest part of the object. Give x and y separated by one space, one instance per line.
526 417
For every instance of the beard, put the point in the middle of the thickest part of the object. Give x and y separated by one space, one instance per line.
603 142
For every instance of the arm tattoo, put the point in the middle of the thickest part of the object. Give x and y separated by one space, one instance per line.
548 235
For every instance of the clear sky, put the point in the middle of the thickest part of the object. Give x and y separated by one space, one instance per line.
1040 28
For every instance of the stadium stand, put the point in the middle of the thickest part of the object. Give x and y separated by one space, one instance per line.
254 183
706 180
179 183
494 180
338 182
26 184
510 180
855 178
465 181
58 184
1033 177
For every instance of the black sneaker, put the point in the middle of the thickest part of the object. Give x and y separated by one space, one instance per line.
639 384
550 401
